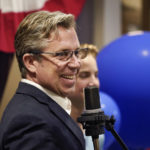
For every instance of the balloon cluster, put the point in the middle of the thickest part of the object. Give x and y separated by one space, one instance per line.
124 73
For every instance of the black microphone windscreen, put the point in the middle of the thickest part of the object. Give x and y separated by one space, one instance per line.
92 99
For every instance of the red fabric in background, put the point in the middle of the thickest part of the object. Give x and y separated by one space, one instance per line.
9 21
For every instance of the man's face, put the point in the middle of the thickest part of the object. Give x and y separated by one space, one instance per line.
57 75
88 76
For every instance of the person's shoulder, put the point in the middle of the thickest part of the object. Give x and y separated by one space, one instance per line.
24 107
21 113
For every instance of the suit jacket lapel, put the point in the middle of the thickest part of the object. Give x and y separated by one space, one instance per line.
67 120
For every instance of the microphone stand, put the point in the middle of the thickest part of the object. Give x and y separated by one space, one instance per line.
95 143
94 124
109 126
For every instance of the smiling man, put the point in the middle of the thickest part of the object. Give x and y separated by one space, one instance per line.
48 54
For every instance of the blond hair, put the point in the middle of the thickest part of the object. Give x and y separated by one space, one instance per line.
92 49
35 30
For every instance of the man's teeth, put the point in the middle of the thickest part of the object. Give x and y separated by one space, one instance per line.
68 77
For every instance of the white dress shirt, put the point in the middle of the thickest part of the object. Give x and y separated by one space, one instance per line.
64 102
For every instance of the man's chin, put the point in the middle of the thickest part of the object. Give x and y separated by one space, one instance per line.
68 91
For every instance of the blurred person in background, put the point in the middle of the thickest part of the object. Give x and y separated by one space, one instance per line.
87 76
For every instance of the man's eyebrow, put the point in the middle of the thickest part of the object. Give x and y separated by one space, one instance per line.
62 50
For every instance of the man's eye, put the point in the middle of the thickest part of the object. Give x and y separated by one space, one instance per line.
61 54
77 52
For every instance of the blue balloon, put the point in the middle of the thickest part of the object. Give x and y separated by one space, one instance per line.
109 106
124 73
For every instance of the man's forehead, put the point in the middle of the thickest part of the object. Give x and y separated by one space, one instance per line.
61 41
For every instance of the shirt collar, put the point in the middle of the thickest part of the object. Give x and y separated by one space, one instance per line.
64 102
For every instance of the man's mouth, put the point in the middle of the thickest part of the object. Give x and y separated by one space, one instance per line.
71 77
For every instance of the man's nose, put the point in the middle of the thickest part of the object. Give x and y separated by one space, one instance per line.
74 62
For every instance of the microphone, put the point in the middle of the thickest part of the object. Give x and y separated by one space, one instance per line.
92 118
92 102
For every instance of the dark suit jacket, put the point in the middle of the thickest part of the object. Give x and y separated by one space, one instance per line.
33 121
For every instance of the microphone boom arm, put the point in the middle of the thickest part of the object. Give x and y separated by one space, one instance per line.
109 126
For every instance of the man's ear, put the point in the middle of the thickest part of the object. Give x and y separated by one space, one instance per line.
29 62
